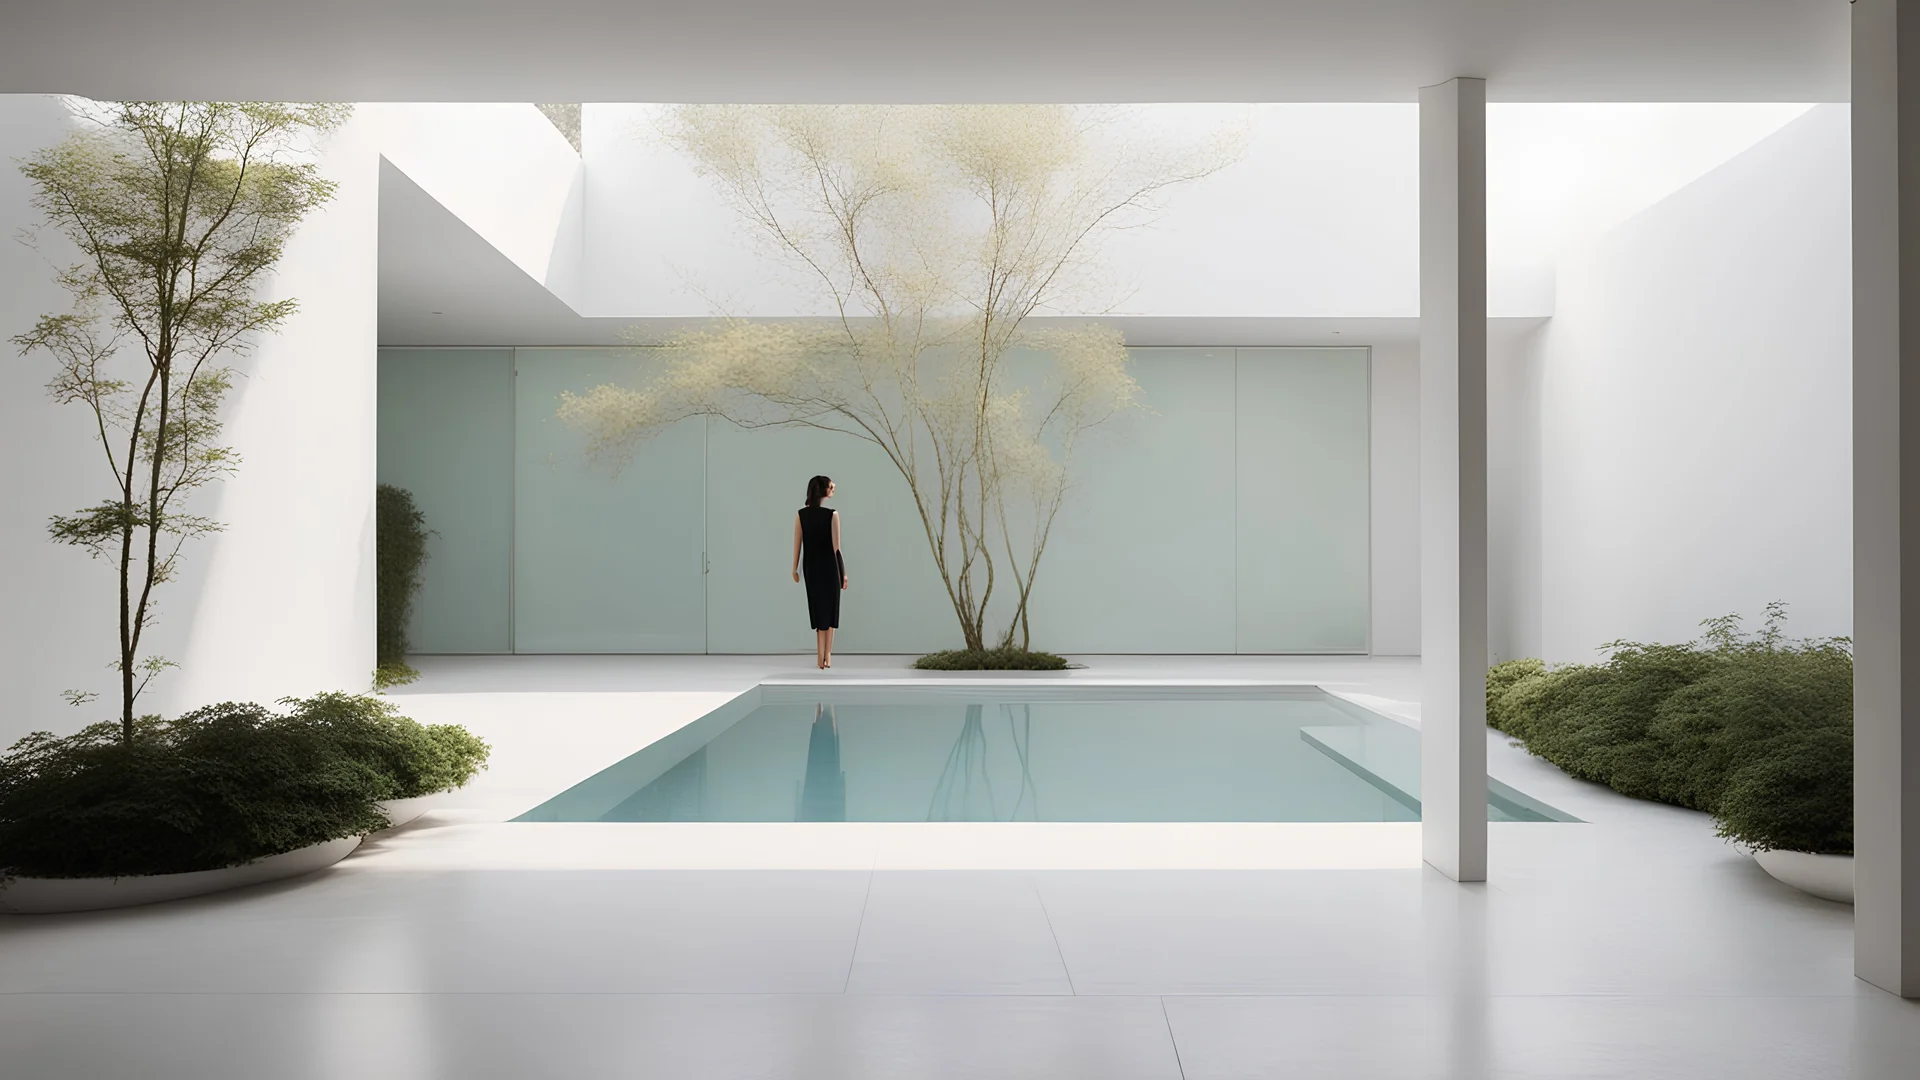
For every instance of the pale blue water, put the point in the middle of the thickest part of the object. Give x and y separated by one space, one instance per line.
943 755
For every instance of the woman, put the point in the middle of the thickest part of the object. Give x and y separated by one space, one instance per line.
816 535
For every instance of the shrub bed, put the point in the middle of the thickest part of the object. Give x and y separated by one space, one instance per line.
1757 731
218 787
991 660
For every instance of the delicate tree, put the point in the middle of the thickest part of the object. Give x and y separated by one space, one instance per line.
936 232
180 211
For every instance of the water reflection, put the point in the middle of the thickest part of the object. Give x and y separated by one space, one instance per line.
823 790
964 791
943 759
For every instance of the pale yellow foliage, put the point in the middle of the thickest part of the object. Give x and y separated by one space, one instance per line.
937 232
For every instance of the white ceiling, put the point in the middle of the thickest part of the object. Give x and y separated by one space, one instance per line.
927 50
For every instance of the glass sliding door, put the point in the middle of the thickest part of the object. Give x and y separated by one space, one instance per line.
606 559
756 482
446 435
1141 556
1302 530
1231 514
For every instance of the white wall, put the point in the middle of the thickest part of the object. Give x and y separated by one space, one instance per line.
504 169
1395 464
282 601
1561 174
56 605
1513 494
1694 407
1318 218
288 601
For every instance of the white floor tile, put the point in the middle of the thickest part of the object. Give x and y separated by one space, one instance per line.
1239 931
1868 1036
1319 1038
1634 945
578 932
943 932
1665 1038
523 1037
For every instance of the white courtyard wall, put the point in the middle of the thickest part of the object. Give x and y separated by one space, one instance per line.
279 603
56 605
1694 411
1395 484
1513 495
1316 219
287 606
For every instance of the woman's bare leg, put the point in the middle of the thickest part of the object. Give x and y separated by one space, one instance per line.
820 648
829 639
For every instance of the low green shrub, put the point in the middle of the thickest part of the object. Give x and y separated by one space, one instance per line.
412 759
991 660
1738 713
1592 720
400 549
1501 678
220 786
388 676
1756 730
1798 796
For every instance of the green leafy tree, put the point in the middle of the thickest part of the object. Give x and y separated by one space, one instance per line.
179 210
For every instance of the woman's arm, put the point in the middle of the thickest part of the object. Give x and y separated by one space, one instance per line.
837 560
796 547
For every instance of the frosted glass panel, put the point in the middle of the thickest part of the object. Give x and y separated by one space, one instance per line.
1141 558
1302 479
446 435
756 481
603 561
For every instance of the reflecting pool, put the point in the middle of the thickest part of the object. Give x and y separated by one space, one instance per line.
784 754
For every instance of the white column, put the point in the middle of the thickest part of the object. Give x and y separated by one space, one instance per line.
1886 493
1453 477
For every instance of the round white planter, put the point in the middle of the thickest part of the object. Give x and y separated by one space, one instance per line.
1829 877
45 896
401 811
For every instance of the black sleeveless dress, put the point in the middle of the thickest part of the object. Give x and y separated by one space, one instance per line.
820 567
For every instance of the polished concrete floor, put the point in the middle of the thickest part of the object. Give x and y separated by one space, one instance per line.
1633 945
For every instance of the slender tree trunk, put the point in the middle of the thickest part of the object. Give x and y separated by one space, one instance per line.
126 630
151 570
130 613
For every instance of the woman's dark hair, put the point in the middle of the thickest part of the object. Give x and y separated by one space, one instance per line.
817 490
